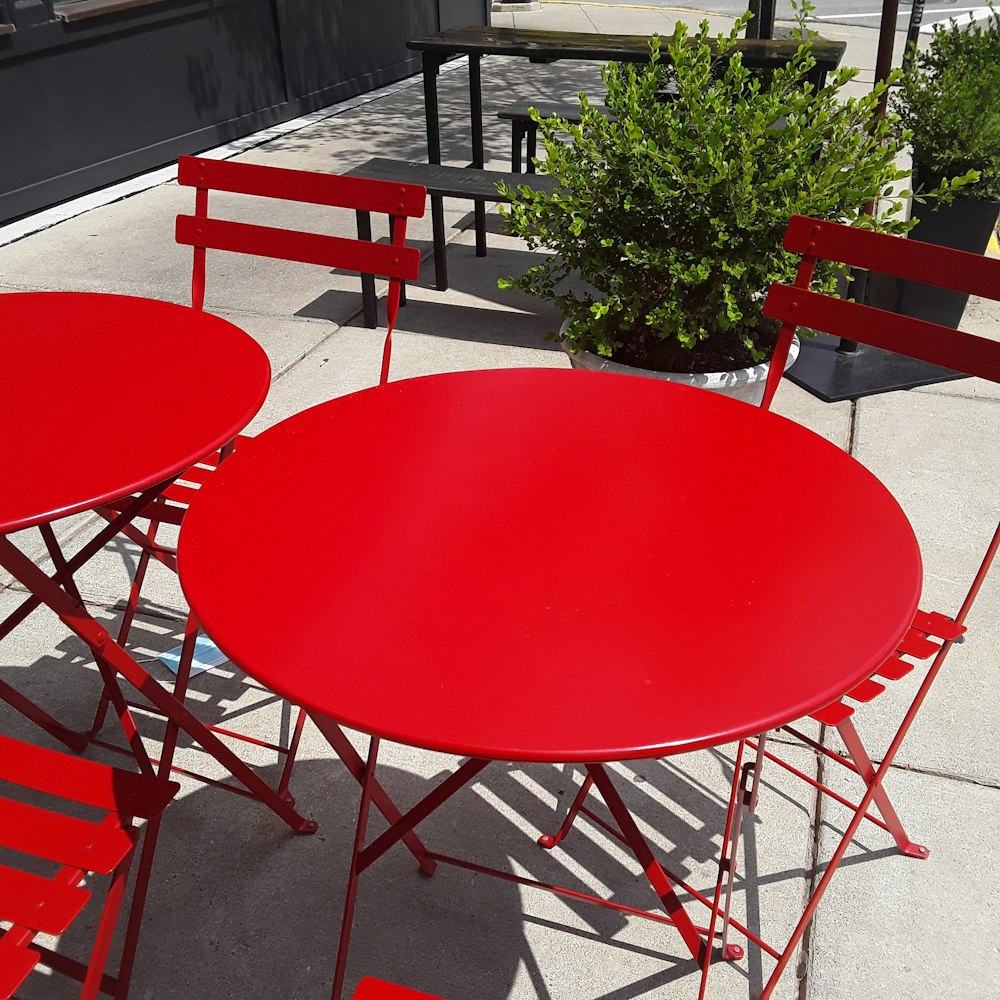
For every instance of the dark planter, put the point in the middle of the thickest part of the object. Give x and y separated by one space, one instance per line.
965 224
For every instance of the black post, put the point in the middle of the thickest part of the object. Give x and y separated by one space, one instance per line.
913 31
432 63
886 41
766 17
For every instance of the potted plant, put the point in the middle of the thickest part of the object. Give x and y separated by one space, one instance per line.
672 212
949 102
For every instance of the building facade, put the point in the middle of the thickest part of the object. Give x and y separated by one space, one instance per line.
94 91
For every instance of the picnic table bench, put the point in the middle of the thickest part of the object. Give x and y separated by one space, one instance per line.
441 181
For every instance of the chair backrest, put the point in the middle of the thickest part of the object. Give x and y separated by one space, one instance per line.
956 270
48 851
394 260
795 305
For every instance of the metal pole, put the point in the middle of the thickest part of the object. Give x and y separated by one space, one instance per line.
886 42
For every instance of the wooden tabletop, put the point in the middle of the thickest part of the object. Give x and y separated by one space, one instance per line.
548 46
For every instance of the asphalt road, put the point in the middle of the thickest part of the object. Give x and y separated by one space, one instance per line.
865 13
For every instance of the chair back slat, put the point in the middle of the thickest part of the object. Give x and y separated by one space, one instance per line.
65 840
394 261
80 780
312 187
956 270
385 260
937 345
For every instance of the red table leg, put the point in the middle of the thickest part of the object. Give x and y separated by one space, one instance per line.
654 872
400 829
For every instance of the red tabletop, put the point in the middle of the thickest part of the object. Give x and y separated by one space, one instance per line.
105 395
550 565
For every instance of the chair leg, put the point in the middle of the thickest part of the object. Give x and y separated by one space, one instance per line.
867 771
516 138
549 840
532 146
293 749
131 606
351 895
480 214
392 239
758 767
143 871
742 795
105 933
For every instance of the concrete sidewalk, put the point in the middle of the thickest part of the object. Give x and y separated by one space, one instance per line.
240 908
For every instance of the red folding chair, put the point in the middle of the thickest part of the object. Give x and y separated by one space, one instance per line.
933 634
72 849
394 261
378 989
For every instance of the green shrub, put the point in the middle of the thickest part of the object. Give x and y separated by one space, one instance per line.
673 213
949 99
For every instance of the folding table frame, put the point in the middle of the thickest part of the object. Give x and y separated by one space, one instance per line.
59 593
696 937
168 508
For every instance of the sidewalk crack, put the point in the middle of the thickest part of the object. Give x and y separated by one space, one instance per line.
805 947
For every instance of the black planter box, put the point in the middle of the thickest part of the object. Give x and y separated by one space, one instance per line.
965 224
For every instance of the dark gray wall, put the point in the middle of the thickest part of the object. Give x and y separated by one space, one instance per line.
92 101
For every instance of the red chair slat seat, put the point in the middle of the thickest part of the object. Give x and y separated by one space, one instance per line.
72 847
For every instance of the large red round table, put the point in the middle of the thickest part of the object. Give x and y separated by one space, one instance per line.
550 565
546 565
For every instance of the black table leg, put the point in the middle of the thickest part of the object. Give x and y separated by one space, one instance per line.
368 299
478 157
432 62
516 138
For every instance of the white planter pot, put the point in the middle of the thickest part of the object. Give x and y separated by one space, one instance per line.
746 383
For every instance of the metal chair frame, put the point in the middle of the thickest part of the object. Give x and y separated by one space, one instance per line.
932 634
167 502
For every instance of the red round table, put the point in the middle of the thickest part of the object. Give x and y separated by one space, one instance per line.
106 395
106 400
549 565
546 565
